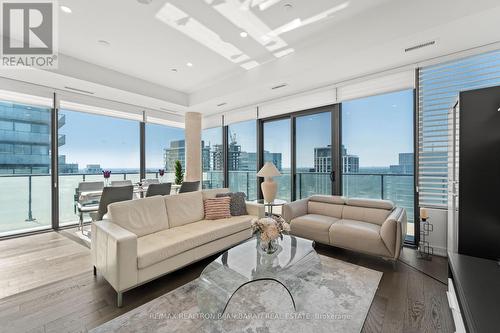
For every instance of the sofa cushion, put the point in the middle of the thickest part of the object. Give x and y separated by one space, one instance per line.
217 208
359 236
371 203
184 208
332 199
141 216
162 245
372 215
313 226
237 205
323 208
212 193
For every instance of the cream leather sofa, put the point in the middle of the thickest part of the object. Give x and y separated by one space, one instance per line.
374 227
146 238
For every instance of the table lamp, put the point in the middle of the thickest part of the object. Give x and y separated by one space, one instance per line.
269 186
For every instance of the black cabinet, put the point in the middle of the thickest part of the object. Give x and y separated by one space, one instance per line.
479 173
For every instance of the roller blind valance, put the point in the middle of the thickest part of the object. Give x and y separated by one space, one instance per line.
212 121
378 85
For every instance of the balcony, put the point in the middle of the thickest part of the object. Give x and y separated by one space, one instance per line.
23 159
25 115
25 200
24 137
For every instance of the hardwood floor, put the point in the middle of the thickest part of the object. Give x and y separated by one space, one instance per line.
75 301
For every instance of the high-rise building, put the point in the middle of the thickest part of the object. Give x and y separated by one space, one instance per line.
176 152
323 160
25 140
406 164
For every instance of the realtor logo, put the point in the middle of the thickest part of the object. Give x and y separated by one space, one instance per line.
29 34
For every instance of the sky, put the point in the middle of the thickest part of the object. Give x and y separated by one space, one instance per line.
93 139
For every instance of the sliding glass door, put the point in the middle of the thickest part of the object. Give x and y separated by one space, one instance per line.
313 154
306 159
277 149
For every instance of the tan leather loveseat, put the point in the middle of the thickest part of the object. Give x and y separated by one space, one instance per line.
370 226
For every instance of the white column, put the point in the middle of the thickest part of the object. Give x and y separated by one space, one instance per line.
193 146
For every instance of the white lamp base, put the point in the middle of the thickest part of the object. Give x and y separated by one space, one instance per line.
269 189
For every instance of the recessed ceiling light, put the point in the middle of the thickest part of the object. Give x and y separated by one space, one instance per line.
103 42
243 34
65 9
145 2
189 64
174 69
288 6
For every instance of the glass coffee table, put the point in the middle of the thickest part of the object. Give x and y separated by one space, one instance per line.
291 265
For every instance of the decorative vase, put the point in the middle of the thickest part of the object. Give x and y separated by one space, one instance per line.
269 247
106 182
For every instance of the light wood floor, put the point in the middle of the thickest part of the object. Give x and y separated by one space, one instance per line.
47 285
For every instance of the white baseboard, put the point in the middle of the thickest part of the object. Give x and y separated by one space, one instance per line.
440 251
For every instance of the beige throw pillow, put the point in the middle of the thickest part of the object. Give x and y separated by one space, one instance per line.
217 208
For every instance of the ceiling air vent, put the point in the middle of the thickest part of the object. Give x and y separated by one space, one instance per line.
419 46
79 90
221 104
279 86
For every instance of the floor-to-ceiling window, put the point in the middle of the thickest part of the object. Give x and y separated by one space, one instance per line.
212 157
164 146
377 152
88 145
313 154
25 191
277 149
242 158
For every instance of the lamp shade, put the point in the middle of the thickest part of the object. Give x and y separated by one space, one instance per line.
268 170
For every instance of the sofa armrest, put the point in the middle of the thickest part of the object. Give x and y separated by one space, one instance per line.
295 209
393 231
114 254
255 209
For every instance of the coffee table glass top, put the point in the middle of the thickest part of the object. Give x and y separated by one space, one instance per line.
294 261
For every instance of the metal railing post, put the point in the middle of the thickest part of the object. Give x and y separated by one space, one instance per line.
381 186
300 185
30 212
124 176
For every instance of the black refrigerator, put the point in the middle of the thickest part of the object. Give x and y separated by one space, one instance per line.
479 173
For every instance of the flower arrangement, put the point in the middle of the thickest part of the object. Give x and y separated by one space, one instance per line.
269 230
106 174
161 172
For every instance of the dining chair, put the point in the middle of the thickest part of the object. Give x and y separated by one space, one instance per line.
158 189
87 205
152 181
116 183
189 186
109 196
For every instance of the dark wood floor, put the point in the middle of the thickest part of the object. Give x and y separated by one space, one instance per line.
407 300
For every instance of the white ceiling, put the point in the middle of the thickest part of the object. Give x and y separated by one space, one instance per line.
358 37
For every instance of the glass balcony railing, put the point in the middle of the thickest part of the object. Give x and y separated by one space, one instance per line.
395 187
25 200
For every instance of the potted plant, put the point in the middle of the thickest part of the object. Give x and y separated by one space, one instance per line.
179 174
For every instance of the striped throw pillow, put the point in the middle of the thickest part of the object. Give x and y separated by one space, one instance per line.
217 208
